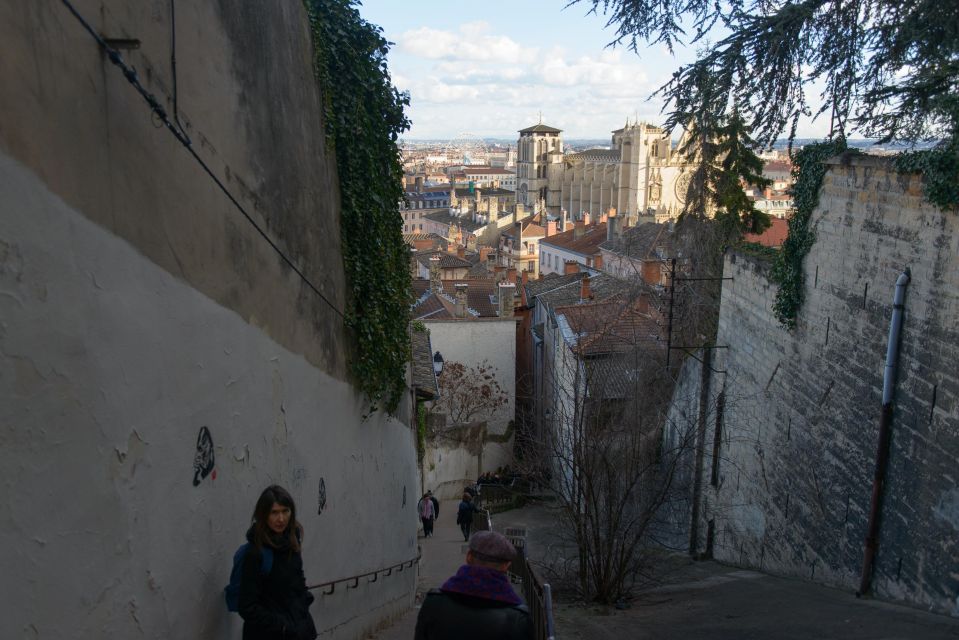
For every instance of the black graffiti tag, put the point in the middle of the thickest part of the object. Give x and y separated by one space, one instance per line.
321 497
203 460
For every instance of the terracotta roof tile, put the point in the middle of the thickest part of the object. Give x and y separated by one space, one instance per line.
642 241
774 236
447 260
587 244
480 297
609 327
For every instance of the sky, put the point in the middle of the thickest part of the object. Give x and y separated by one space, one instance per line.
487 69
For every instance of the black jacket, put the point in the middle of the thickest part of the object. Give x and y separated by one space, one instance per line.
275 606
452 616
464 512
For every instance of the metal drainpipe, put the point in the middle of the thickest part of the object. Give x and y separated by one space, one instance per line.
885 433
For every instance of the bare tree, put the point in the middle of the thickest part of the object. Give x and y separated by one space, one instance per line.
602 450
469 393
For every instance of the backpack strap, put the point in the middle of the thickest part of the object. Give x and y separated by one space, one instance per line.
266 563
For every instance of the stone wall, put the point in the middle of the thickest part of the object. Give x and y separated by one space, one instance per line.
159 364
798 433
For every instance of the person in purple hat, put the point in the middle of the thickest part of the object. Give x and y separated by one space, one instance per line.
478 602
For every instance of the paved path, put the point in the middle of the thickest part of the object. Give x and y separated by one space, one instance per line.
442 556
697 601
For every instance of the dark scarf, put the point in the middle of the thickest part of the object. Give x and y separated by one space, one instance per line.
482 582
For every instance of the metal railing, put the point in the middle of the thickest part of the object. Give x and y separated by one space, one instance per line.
537 594
353 582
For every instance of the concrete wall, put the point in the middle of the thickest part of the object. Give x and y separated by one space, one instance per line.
146 330
471 342
800 425
449 464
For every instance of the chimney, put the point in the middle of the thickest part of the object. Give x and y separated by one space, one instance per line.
586 219
478 195
507 295
461 252
493 209
436 284
525 277
570 266
485 253
614 228
584 292
598 261
564 218
579 230
460 308
499 272
419 184
767 193
551 228
511 275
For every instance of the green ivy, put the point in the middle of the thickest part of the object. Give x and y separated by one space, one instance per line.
364 115
939 167
757 250
421 415
809 169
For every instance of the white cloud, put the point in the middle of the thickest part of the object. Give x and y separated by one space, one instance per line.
472 43
471 79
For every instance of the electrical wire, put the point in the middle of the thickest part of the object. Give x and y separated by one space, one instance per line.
131 75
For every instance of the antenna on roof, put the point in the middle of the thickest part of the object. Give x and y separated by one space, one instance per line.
541 117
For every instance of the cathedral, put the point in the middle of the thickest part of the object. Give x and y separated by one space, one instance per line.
642 174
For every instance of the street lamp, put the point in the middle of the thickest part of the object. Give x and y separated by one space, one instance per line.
437 363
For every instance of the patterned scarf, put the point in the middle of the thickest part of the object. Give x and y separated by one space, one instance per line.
482 582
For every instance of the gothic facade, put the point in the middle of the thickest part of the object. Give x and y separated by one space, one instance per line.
640 174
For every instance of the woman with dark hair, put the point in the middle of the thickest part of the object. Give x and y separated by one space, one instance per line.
275 605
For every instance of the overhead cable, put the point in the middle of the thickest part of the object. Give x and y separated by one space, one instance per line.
131 75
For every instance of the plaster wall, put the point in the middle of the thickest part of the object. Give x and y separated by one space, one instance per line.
447 468
246 96
471 343
142 318
800 425
110 368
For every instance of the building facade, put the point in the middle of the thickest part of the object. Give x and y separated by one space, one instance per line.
640 174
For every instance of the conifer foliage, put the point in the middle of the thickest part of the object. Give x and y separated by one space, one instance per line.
890 68
728 162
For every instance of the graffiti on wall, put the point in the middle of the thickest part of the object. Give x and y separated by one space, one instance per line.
321 497
203 459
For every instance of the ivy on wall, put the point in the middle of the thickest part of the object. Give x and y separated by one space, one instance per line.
939 167
809 169
364 117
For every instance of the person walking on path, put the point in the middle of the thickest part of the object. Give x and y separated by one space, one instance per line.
436 505
275 605
464 515
427 514
478 602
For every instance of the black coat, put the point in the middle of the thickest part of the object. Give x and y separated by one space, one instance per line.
275 606
453 616
465 511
